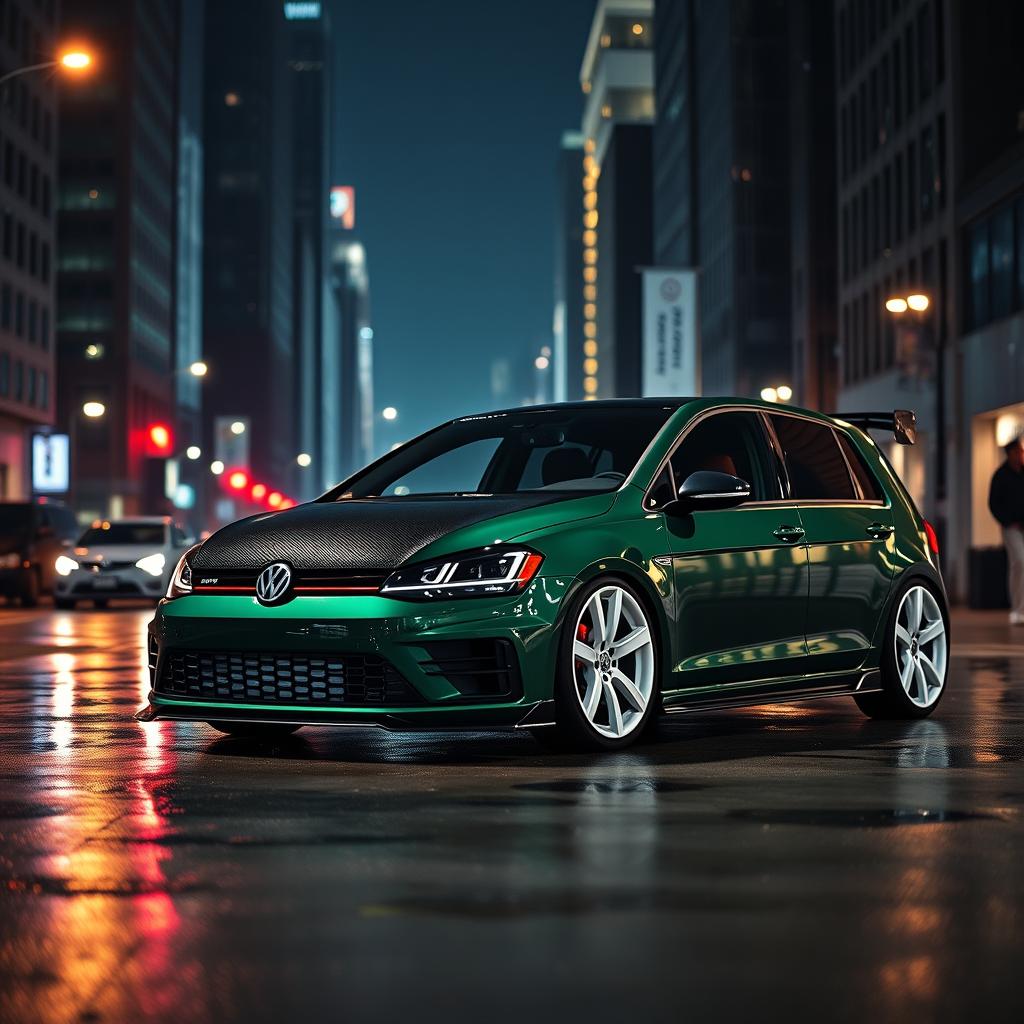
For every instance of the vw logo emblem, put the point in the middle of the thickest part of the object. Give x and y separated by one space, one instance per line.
273 583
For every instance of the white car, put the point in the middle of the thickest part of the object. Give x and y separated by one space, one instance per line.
122 558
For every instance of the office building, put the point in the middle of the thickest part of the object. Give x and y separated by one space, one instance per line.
722 179
116 272
617 78
248 242
567 325
28 124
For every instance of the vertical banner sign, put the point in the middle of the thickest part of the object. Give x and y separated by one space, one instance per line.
51 458
671 351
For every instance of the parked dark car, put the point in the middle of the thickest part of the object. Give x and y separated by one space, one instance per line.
32 535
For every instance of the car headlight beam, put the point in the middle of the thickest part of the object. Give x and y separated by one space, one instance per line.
476 574
65 566
153 564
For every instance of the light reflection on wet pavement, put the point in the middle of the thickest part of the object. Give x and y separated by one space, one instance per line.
797 860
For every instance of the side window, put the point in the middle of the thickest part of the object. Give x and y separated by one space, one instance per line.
733 443
869 488
816 467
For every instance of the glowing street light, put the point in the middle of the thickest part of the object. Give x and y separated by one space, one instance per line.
896 305
238 427
918 303
72 59
542 362
216 467
389 412
785 392
198 368
94 410
75 60
304 459
193 452
769 395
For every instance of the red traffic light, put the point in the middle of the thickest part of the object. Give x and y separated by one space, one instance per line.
159 439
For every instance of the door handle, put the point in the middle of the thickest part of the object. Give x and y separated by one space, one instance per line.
880 530
790 534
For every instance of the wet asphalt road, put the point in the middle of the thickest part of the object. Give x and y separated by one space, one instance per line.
796 860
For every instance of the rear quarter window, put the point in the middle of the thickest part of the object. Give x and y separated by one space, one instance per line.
869 486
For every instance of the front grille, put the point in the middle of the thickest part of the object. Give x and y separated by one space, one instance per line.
335 680
310 581
476 668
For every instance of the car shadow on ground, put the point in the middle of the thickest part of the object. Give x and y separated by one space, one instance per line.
753 733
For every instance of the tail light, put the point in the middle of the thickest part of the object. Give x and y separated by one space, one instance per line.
933 537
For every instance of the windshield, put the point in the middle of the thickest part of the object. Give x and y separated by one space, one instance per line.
135 534
508 453
15 518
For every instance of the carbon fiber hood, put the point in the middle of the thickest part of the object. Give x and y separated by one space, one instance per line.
354 534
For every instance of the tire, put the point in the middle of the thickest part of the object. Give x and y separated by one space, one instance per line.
256 730
604 700
65 604
30 590
913 670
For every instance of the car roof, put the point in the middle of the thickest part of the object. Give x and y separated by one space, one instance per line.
601 403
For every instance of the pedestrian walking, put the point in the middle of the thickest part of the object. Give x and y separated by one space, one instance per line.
1006 503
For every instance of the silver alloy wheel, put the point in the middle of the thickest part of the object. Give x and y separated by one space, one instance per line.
613 662
921 646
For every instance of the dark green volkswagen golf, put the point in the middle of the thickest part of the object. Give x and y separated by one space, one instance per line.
576 570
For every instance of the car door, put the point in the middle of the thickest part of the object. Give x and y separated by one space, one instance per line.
740 574
849 539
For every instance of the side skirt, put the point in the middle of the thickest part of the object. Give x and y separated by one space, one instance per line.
751 696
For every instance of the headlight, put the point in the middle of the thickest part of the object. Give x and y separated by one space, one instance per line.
477 574
65 566
153 564
181 578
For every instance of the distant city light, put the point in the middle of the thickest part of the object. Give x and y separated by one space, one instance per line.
238 480
160 438
769 395
785 392
94 351
94 410
258 492
918 303
216 467
304 459
389 412
274 499
896 305
638 29
198 368
307 10
238 427
193 452
542 362
366 333
232 99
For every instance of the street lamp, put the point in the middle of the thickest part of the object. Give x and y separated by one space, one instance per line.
781 393
198 368
193 452
73 60
94 410
389 412
304 459
238 427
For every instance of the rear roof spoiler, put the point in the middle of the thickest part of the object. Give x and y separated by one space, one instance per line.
902 423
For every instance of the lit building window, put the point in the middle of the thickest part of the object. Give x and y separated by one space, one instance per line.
606 110
590 293
590 367
587 87
638 29
590 274
590 219
589 200
590 256
589 146
590 329
590 310
590 348
590 385
606 40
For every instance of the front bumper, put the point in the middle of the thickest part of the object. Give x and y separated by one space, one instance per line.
97 584
238 648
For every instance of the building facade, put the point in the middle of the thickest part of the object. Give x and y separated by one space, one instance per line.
28 141
897 224
567 325
617 78
248 250
116 272
721 184
309 70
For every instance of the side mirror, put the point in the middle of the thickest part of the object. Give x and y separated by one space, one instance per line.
709 489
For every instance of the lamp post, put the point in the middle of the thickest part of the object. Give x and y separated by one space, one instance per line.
72 60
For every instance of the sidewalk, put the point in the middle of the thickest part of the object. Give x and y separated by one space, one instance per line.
977 633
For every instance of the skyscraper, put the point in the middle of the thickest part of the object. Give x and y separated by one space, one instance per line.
567 328
309 71
721 185
116 272
248 235
617 78
27 169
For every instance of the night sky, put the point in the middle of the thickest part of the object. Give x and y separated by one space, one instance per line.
448 122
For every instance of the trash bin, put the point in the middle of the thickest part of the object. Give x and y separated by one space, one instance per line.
986 570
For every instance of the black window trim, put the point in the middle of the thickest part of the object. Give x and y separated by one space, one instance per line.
772 441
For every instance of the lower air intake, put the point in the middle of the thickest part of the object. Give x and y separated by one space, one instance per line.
337 680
